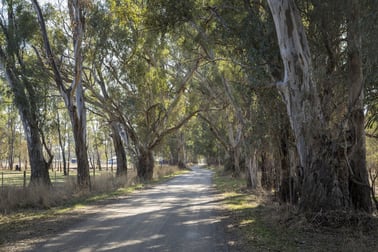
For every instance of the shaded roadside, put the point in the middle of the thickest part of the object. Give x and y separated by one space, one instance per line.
255 221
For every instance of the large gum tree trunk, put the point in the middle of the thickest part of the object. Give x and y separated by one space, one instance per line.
119 150
145 164
289 177
233 161
38 164
79 133
252 167
356 154
13 67
181 151
326 168
74 98
26 104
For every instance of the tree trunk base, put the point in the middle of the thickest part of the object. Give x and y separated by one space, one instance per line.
145 165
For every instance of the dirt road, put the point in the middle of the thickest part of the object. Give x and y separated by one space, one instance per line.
179 215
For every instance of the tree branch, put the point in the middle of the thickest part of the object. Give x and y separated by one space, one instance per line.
50 56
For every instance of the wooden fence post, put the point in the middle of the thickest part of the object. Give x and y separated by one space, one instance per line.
24 179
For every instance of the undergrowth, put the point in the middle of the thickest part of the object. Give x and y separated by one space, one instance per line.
256 221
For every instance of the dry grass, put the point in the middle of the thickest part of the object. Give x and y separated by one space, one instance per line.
36 196
165 171
41 197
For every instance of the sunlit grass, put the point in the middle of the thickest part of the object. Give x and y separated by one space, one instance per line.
233 191
246 222
238 201
249 216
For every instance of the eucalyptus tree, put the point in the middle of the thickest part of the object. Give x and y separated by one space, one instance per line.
140 80
112 43
332 155
22 70
235 36
73 94
195 22
161 98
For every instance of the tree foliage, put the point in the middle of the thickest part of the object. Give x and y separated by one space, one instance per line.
197 79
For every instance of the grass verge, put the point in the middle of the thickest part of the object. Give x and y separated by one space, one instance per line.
248 215
255 221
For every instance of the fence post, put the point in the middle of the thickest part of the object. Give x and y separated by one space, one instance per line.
94 176
24 179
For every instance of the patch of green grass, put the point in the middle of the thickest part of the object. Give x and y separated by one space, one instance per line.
226 183
249 217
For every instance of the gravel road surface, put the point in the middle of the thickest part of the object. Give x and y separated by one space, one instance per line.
179 215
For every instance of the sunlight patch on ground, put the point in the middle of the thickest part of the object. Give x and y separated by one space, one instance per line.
125 244
203 221
246 222
237 201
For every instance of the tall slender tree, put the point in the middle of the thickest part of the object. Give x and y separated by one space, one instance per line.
73 95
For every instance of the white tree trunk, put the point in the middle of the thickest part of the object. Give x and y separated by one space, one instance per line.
298 88
252 166
74 95
328 178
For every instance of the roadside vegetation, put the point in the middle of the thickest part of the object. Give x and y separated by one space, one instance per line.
38 211
255 221
223 82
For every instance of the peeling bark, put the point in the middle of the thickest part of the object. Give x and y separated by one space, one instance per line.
356 155
252 166
329 165
74 95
